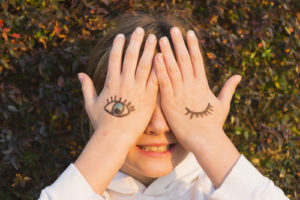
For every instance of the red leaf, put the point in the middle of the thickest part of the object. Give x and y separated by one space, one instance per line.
6 29
1 22
16 35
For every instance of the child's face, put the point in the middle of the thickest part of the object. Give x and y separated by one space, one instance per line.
146 166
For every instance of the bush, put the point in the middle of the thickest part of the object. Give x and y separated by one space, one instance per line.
44 44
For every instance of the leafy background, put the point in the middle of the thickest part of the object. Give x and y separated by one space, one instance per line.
45 43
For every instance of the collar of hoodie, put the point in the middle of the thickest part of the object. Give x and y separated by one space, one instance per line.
187 171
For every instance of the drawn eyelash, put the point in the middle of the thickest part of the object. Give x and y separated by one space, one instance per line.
118 107
205 112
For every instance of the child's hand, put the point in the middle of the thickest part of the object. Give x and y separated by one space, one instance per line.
121 112
127 101
191 109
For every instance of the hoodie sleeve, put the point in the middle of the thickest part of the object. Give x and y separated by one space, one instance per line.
70 185
245 182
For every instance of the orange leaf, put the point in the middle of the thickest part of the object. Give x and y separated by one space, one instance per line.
23 48
214 19
4 35
211 55
43 42
16 35
62 36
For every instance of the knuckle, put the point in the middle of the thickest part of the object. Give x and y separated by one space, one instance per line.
109 83
131 52
171 69
160 70
195 57
177 77
114 52
165 83
84 88
182 57
143 67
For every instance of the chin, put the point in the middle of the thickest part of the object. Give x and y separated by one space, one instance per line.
155 169
141 166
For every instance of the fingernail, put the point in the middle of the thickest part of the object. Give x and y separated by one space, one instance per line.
176 30
151 38
191 33
164 40
80 77
139 30
120 36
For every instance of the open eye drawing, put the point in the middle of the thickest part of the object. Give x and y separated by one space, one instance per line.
203 113
117 107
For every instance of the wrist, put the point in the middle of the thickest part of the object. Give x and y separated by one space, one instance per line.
115 139
216 154
102 157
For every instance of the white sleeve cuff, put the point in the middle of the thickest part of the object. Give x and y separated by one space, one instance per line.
70 185
245 182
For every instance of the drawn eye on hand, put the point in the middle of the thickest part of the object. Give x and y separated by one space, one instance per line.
203 113
118 108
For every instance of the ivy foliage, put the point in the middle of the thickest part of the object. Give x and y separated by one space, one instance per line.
45 43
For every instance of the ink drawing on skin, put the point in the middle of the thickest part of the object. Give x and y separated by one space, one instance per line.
208 110
118 108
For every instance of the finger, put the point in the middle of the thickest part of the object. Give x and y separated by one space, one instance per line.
164 81
88 90
145 63
196 56
115 60
182 54
132 54
171 64
152 83
228 89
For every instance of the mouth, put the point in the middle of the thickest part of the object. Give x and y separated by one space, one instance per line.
156 150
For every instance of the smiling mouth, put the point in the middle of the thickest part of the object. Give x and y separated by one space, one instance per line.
156 148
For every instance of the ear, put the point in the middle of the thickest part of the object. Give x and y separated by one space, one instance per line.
228 89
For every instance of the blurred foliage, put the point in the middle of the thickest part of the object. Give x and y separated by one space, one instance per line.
45 43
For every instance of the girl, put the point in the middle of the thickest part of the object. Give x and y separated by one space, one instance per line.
157 126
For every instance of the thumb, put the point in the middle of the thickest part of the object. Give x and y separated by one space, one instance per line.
88 89
228 89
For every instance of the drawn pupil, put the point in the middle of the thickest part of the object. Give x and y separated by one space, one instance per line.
118 108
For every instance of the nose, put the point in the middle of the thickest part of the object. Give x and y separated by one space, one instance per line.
158 124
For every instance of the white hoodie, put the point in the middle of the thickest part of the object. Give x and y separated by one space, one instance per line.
187 181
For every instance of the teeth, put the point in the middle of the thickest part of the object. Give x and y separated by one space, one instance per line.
155 148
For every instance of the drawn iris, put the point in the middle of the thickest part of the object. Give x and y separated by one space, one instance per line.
117 107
